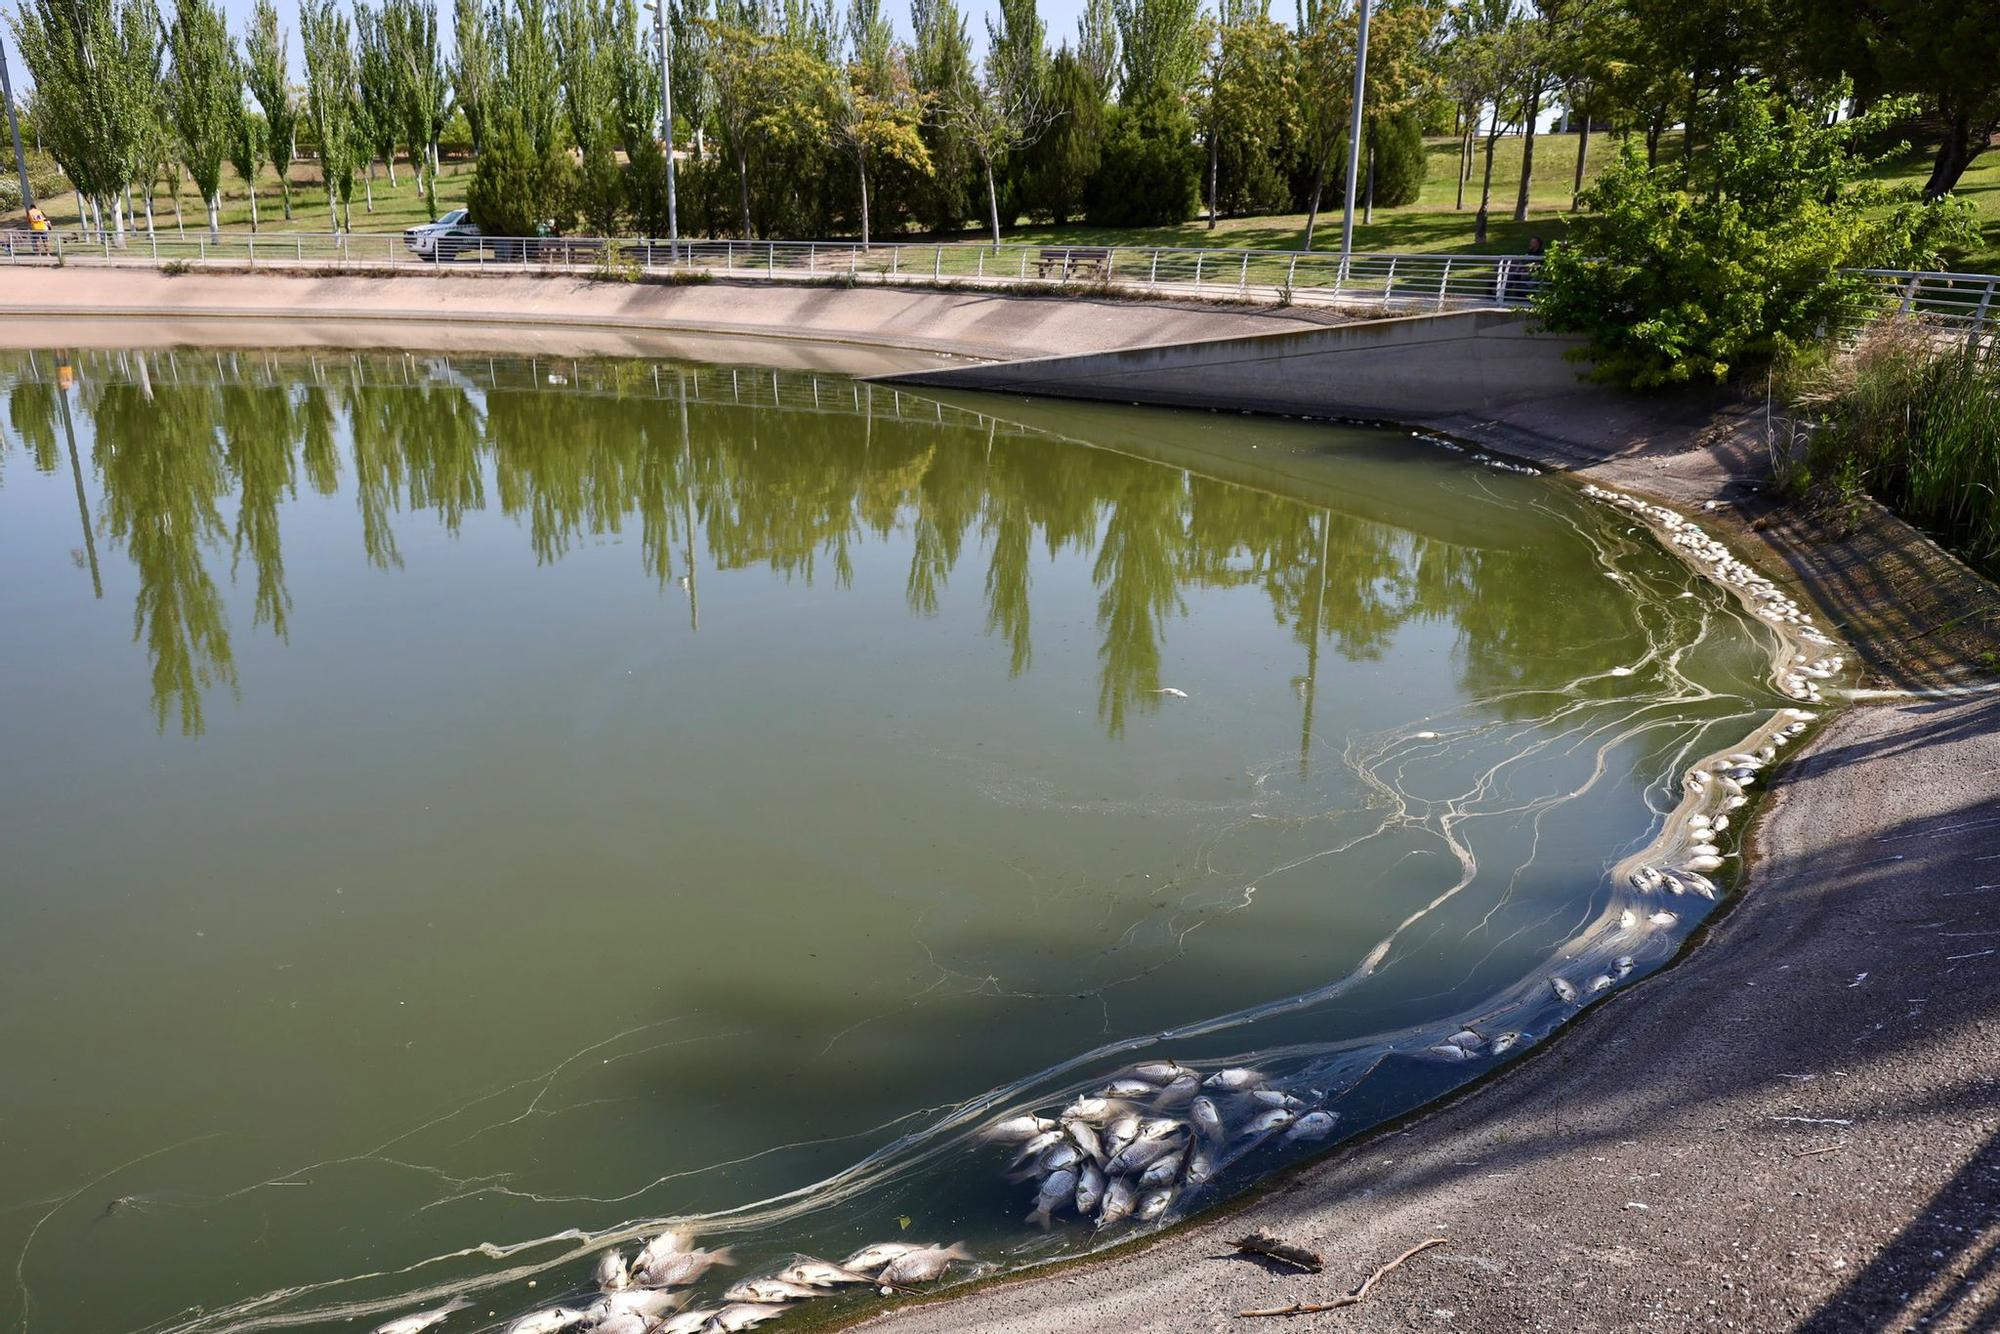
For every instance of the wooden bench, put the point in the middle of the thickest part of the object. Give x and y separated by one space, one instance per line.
1069 262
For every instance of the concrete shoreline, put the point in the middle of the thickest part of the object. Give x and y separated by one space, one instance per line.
1797 1126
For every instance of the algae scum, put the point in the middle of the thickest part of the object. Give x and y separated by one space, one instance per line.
463 816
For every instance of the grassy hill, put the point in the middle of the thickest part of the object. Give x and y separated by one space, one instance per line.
1435 223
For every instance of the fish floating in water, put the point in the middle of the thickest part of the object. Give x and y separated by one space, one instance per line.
1171 692
924 1266
553 1320
675 1271
420 1321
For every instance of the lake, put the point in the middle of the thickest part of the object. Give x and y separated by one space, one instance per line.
463 813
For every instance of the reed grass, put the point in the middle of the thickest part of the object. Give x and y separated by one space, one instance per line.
1911 416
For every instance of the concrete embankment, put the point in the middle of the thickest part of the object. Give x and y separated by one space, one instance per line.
507 312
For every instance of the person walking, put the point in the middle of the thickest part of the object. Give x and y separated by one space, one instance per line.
38 228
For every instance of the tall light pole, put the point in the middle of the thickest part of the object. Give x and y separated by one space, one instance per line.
14 125
1354 135
667 123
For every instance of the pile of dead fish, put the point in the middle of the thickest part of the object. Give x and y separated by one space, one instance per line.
1133 1148
647 1294
1800 677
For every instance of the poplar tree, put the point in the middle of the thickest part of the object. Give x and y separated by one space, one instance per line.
264 47
474 66
96 68
204 95
423 87
330 94
1097 45
634 73
875 112
583 60
1160 50
530 85
378 114
246 151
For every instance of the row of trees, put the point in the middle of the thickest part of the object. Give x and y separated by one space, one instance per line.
809 116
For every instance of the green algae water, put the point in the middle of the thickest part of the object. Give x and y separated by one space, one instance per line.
463 814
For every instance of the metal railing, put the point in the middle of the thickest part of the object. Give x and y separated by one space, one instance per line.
1405 283
1954 302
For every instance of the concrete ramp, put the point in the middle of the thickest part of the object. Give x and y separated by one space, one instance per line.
1461 372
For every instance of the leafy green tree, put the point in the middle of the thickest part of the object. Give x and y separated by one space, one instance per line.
943 71
247 142
474 65
423 86
600 189
1151 169
1698 269
204 96
1245 104
1159 47
264 47
530 83
873 108
330 98
646 188
635 76
1097 45
583 58
95 67
516 189
1397 162
1059 166
378 112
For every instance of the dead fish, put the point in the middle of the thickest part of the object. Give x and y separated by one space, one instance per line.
1140 1154
770 1292
1120 1133
1234 1079
1178 1091
925 1266
1019 1128
687 1322
873 1257
1164 1170
1602 982
1275 1119
1128 1088
819 1274
1276 1098
1467 1039
741 1315
1161 1072
1505 1043
1085 1139
552 1320
611 1272
1089 1189
1203 1161
639 1301
1626 920
1664 918
1152 1204
1119 1197
1450 1051
623 1324
1160 1127
1037 1146
678 1271
1624 963
423 1320
1311 1126
671 1242
1058 1190
1564 992
1061 1156
1096 1110
1207 1119
1169 690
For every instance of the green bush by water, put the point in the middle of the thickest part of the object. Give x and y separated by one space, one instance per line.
1910 416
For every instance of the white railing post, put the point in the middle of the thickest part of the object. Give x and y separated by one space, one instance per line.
1153 277
1444 283
1024 263
1243 279
1198 258
812 258
1389 284
937 264
981 270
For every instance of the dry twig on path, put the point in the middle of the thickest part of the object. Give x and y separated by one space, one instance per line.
1355 1298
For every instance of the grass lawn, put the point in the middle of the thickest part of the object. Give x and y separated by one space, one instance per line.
1434 224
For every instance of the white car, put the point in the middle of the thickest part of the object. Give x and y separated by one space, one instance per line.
445 238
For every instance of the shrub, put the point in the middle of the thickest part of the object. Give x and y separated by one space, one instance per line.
600 190
513 193
1699 268
1399 161
1150 169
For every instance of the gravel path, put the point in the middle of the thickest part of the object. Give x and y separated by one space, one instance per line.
1797 1127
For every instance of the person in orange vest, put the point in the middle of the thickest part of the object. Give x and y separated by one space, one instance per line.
38 224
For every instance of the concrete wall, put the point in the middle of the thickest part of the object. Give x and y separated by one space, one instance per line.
1456 372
